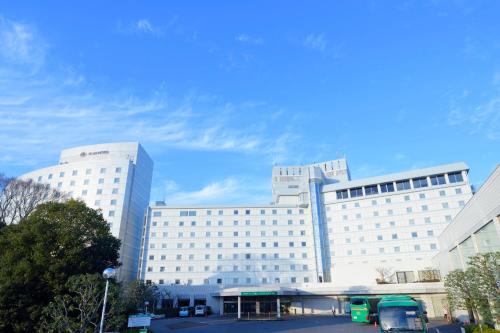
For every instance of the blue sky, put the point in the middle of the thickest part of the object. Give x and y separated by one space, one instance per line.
220 91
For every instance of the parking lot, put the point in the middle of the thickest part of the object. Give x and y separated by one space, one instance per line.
299 324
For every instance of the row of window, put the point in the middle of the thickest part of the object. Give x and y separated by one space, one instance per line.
390 212
391 224
184 213
221 223
247 233
401 185
75 173
235 245
235 268
375 202
396 249
236 256
87 182
238 281
412 235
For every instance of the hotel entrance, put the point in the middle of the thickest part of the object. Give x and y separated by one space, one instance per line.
251 305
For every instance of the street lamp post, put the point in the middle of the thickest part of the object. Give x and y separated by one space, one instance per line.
107 274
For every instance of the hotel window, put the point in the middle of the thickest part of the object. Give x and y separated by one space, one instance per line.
86 182
403 185
49 176
433 246
306 279
397 249
377 225
360 227
116 180
84 192
113 202
103 170
379 237
375 213
374 202
291 244
88 171
59 184
97 203
349 252
461 203
371 189
363 251
387 187
235 222
409 209
421 195
390 212
61 174
247 222
425 208
289 211
304 255
346 228
111 213
394 236
274 212
301 211
427 220
362 239
381 250
301 222
39 178
348 240
358 216
118 170
417 247
74 173
447 218
411 221
455 177
438 180
221 212
442 193
445 205
419 182
101 181
414 234
430 232
392 223
356 192
99 191
342 194
235 212
290 222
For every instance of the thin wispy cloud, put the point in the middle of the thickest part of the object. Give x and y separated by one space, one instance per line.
316 41
247 39
19 43
141 27
230 190
62 110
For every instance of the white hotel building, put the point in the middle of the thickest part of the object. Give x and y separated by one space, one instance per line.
325 235
115 178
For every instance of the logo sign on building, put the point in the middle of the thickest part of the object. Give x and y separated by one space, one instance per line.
139 320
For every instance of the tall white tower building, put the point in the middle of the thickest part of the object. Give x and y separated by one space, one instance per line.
112 177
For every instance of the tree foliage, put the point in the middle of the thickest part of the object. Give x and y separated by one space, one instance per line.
476 288
136 293
38 255
18 198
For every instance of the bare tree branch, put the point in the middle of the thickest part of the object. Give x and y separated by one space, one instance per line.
18 198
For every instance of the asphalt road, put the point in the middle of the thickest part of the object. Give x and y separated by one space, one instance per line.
299 324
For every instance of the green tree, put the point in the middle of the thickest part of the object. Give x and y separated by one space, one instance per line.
38 255
459 290
486 271
79 311
136 293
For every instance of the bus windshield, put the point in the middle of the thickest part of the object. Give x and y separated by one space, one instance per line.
400 319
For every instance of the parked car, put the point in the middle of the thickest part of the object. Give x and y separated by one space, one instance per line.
184 311
200 310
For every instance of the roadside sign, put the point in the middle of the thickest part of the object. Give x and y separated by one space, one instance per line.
259 293
139 320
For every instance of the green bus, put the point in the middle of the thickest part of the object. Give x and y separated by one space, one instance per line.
363 308
400 313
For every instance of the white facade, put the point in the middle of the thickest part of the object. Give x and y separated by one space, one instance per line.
115 178
476 229
322 229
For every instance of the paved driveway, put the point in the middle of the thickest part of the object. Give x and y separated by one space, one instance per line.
299 324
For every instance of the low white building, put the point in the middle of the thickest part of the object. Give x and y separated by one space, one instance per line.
115 178
323 230
476 229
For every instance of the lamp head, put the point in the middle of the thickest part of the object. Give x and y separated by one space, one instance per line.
109 273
